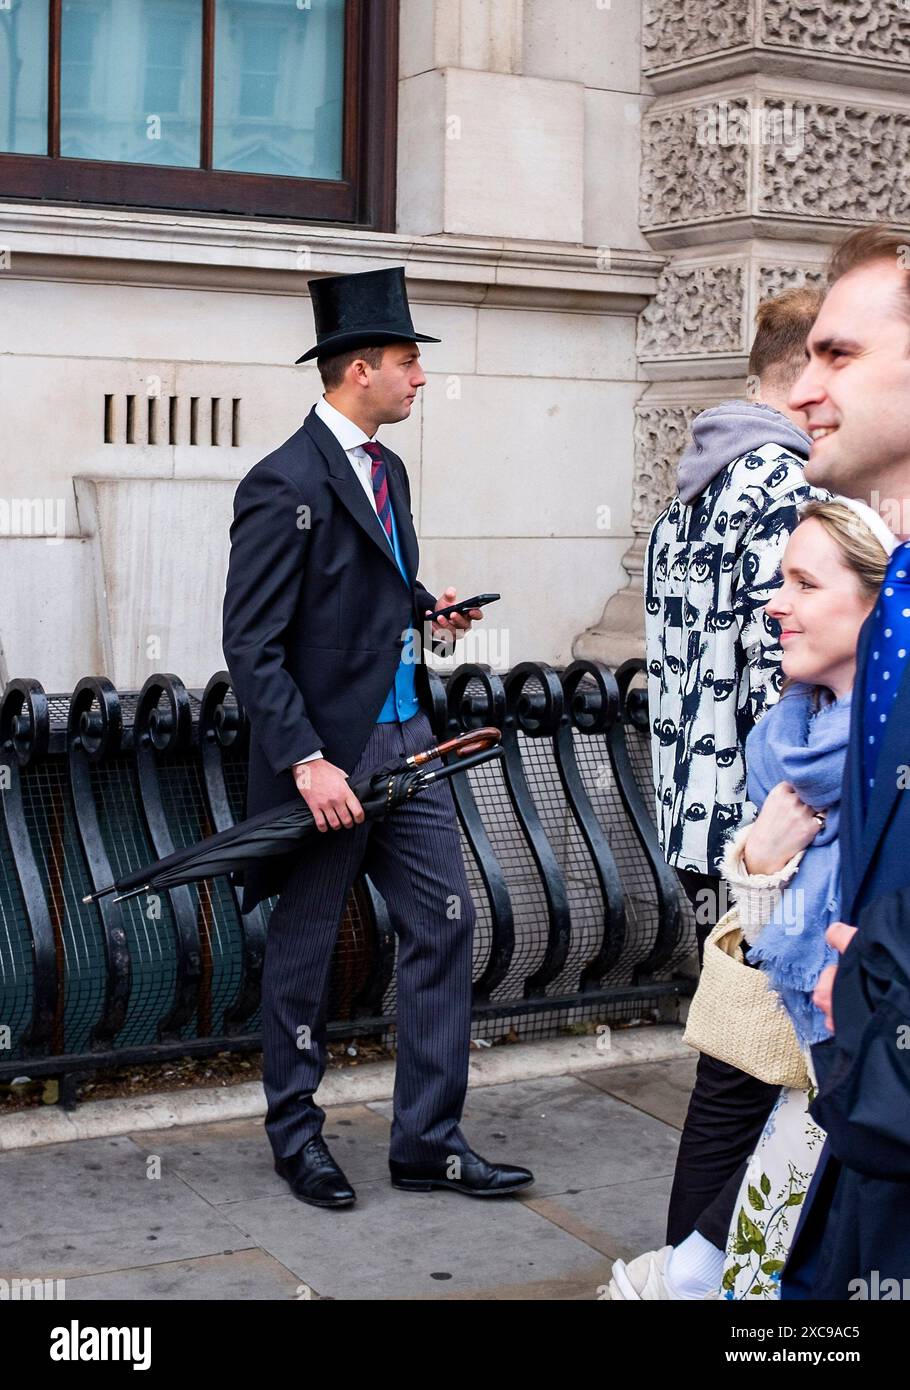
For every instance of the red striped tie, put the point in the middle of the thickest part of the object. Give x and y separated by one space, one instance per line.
380 486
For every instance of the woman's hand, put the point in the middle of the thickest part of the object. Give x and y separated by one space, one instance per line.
839 935
822 995
783 827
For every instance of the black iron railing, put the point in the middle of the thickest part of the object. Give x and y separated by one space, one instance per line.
578 916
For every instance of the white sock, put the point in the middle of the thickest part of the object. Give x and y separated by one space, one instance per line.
694 1268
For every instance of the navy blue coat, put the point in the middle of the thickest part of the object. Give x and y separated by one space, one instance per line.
856 1216
316 614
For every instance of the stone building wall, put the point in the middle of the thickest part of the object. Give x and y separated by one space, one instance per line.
592 199
517 221
776 126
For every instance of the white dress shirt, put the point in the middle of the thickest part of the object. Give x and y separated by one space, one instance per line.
351 438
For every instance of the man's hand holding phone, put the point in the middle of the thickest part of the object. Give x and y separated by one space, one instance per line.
324 787
458 623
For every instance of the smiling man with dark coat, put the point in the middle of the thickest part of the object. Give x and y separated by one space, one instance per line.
853 1240
323 621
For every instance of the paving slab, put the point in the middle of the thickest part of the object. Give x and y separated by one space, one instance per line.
232 1159
662 1091
406 1245
241 1275
584 1286
573 1136
621 1220
90 1206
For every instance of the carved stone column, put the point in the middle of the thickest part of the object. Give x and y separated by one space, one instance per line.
660 432
778 126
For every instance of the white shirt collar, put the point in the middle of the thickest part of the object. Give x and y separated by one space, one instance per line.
349 435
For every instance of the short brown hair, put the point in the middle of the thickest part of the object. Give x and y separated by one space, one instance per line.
332 369
784 324
871 244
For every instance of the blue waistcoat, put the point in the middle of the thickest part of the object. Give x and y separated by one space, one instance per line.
401 703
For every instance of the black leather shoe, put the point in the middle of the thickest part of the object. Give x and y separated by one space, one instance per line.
314 1176
475 1176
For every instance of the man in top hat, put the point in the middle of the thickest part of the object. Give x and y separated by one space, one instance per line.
322 607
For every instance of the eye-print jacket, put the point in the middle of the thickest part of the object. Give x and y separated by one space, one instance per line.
713 654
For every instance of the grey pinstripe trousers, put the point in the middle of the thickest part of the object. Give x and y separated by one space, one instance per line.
414 858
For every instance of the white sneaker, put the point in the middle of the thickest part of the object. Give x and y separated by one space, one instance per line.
644 1279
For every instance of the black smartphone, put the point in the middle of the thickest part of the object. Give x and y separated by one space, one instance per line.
465 605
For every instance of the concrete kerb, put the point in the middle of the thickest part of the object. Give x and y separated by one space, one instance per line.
374 1081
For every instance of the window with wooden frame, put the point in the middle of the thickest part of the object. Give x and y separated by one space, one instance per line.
268 108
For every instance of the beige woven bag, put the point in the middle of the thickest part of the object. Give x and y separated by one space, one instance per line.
736 1017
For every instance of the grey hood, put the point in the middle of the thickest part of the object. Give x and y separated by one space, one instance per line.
726 432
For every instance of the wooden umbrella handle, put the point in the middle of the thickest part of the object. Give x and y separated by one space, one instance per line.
475 741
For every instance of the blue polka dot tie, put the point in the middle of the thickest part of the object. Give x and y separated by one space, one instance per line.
889 644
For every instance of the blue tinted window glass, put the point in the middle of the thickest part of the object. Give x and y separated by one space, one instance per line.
23 76
279 78
131 81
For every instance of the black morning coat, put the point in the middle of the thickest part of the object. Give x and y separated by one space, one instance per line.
316 613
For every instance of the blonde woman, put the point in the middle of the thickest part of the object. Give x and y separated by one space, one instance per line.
783 871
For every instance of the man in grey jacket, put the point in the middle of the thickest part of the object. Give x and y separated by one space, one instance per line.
713 561
713 668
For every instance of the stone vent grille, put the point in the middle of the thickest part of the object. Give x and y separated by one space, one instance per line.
213 421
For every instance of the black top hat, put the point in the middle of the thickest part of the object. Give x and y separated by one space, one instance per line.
356 310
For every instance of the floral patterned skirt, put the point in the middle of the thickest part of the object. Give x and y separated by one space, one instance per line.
770 1198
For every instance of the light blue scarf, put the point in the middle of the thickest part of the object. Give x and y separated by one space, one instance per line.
793 744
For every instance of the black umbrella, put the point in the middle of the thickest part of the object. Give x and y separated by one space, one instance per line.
276 830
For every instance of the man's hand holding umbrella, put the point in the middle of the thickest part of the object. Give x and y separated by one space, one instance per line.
279 829
325 789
